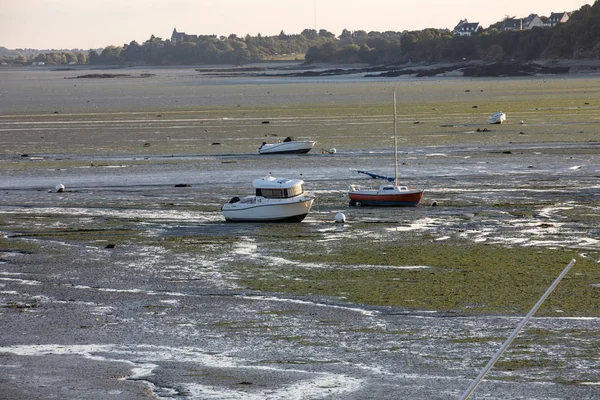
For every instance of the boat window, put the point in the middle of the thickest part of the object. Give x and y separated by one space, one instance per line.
295 191
273 193
388 188
280 193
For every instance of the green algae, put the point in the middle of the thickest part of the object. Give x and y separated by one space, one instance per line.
99 236
479 340
464 278
381 331
13 244
525 364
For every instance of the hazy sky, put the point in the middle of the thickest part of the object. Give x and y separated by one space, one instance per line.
85 24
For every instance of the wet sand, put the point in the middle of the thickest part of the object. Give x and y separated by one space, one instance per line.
176 309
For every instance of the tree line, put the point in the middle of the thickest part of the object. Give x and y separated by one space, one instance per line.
29 56
205 49
210 49
579 37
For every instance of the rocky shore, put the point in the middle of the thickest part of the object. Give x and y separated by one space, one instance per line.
465 68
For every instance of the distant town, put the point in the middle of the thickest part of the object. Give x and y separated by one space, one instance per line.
466 28
463 28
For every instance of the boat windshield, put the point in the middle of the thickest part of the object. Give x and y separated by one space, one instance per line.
280 193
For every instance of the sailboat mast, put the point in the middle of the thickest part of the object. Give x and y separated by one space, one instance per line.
395 145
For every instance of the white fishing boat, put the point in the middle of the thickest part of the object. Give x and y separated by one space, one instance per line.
387 195
288 146
497 118
276 199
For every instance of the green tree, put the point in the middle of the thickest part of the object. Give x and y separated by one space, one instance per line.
323 33
93 56
346 34
81 58
111 55
310 33
132 52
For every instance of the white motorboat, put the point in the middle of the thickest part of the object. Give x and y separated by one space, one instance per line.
497 118
288 146
276 199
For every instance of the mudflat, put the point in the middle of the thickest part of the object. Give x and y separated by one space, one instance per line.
129 284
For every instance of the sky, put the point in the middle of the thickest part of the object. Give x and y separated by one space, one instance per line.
87 24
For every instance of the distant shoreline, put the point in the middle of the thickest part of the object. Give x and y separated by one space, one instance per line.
292 69
444 69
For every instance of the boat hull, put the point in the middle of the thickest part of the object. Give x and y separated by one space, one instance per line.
497 118
387 195
268 210
365 198
294 147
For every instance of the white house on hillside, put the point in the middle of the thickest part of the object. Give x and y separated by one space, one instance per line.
521 24
465 28
512 24
532 21
556 18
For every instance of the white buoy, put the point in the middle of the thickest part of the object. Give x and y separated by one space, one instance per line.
340 218
60 188
332 150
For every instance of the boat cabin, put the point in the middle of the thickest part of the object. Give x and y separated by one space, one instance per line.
280 193
391 188
273 188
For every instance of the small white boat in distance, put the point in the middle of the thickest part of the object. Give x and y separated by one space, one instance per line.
276 199
497 118
288 146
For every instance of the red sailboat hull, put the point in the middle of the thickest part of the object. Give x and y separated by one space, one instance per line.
410 199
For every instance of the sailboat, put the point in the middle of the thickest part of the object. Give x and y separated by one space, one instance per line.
388 195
